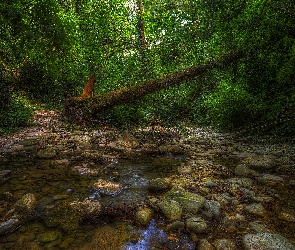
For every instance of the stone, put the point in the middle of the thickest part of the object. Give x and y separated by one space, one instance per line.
266 241
46 153
210 184
82 170
270 179
48 236
236 183
86 208
108 187
257 227
205 245
190 202
170 208
211 209
286 216
29 142
144 216
176 226
196 225
243 170
5 173
262 162
224 244
256 209
9 226
26 205
292 182
158 184
233 220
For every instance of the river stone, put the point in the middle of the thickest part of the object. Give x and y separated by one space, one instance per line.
86 208
46 153
159 184
239 182
260 162
48 236
286 216
205 245
26 205
175 226
292 183
257 227
190 202
244 170
196 225
170 208
108 187
266 241
224 244
4 173
270 179
29 142
212 209
8 226
256 209
144 216
233 220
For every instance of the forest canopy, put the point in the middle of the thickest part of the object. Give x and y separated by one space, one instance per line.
48 47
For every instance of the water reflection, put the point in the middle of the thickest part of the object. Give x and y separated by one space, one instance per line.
155 238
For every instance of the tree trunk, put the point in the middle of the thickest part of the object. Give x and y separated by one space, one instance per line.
78 108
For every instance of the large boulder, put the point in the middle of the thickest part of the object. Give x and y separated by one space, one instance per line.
266 241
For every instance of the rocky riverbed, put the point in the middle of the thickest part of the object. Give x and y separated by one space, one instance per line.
66 187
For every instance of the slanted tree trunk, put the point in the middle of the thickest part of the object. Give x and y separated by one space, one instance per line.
77 108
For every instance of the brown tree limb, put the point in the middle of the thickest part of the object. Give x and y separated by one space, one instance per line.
78 108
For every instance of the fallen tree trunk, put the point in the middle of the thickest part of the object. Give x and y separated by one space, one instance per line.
77 108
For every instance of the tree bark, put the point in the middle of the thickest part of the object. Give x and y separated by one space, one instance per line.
77 108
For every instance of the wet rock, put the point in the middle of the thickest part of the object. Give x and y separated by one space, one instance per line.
205 245
26 205
29 142
222 201
196 225
9 226
236 183
170 208
66 243
286 216
260 162
48 236
224 244
210 184
270 179
256 209
46 153
4 173
292 182
233 220
83 170
158 184
257 227
108 187
262 198
144 216
244 170
62 162
176 226
190 202
211 209
266 241
7 196
86 208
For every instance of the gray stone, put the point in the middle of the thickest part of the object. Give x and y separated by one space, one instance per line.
256 209
46 153
212 209
8 226
158 184
266 241
4 173
175 226
239 182
244 170
257 227
270 179
233 220
292 182
144 216
196 225
260 162
108 187
224 244
210 184
170 208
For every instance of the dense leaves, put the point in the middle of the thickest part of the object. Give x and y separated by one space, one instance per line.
48 47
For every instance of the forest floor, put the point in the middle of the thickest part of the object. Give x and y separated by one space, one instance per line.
205 190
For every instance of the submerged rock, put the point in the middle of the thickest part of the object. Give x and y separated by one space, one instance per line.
205 245
175 226
46 153
196 225
260 162
86 208
266 241
244 170
256 209
159 184
270 179
9 226
108 187
48 236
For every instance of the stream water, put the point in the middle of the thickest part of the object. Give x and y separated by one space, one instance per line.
55 185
